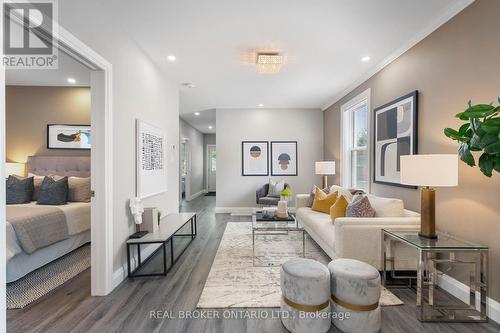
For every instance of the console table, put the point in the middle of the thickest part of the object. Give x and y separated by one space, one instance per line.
442 251
168 228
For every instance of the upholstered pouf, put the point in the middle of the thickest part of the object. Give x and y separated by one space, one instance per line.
356 294
305 289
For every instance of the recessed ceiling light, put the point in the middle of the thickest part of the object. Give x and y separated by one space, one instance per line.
196 113
71 80
365 59
171 58
210 127
260 105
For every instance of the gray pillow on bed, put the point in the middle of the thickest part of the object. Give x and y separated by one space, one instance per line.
19 191
78 188
53 192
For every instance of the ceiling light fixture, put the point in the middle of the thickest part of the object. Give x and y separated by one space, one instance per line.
365 59
210 127
171 58
260 105
71 80
197 114
269 63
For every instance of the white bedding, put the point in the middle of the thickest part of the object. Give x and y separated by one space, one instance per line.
77 216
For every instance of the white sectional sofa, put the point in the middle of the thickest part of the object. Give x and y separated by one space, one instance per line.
360 238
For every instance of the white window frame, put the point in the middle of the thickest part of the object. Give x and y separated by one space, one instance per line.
346 137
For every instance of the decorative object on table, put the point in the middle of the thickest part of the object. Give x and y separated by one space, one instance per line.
481 132
284 158
325 168
151 169
395 135
355 289
429 171
150 219
282 211
137 209
263 198
68 136
18 169
254 158
305 286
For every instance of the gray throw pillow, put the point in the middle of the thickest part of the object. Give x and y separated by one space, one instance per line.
53 192
78 188
360 207
19 191
275 188
312 195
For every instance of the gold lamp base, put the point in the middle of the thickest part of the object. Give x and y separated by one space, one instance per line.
428 213
325 181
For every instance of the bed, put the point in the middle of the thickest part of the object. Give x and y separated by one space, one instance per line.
76 214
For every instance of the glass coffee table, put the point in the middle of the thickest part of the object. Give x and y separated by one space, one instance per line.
447 252
270 225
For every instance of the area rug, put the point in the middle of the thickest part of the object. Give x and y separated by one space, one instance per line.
234 282
45 279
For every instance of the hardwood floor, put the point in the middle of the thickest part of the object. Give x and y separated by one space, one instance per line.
70 308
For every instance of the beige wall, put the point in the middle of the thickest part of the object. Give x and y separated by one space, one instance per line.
30 109
458 62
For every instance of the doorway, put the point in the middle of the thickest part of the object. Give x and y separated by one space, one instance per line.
211 168
184 174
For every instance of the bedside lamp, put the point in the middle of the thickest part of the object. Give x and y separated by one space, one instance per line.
14 169
325 168
429 171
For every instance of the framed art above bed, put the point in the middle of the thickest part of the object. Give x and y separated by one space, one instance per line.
68 136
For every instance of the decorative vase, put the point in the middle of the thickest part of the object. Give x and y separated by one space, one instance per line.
282 211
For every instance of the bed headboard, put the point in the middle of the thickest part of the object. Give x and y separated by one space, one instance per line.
77 166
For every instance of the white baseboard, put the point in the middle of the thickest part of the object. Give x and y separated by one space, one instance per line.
462 292
196 195
121 273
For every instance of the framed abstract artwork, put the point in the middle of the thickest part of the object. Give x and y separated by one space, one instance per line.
68 136
151 167
284 158
254 158
395 135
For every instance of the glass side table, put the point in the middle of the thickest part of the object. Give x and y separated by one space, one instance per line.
442 251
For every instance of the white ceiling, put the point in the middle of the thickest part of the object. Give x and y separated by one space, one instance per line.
322 40
201 122
67 67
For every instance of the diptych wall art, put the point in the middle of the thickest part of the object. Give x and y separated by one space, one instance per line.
255 158
395 134
68 137
151 169
284 158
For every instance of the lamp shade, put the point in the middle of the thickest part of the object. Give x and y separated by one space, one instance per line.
14 169
325 168
429 170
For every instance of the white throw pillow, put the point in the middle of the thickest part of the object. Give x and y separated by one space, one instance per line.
275 188
386 207
342 191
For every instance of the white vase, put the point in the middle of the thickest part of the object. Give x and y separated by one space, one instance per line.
282 210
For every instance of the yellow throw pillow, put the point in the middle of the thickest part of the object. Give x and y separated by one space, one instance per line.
322 201
338 208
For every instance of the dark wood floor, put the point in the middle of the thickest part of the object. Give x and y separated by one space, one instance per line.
70 308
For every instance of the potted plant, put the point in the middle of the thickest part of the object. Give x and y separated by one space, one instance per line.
286 194
480 133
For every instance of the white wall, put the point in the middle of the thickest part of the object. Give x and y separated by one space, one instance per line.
235 125
195 169
140 90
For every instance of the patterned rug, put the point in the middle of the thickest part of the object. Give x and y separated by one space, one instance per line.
234 282
45 279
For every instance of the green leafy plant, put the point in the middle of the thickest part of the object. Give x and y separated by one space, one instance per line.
287 193
481 132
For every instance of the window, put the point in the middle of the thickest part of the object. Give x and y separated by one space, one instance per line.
213 163
355 161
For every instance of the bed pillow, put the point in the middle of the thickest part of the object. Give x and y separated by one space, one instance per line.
53 192
19 191
78 188
37 181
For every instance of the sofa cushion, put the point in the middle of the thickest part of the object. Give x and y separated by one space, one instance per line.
338 208
270 201
310 201
322 201
386 207
275 188
360 207
342 191
319 223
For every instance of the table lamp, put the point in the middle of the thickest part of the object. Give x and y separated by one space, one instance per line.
429 171
14 169
325 168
